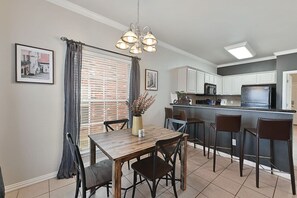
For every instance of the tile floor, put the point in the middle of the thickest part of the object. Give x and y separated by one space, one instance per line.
202 183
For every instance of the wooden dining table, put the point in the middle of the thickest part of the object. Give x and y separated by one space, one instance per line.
121 146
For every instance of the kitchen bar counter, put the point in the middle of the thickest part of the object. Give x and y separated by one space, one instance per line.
249 117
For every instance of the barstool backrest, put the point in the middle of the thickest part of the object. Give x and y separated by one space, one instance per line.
274 129
228 123
168 113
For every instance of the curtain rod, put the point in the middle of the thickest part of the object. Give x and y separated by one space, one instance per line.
66 39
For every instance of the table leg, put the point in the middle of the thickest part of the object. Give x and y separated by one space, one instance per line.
116 178
183 169
92 152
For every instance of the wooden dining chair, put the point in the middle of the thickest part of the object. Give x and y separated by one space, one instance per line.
155 168
93 176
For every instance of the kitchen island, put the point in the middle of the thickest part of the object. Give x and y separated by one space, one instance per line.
249 117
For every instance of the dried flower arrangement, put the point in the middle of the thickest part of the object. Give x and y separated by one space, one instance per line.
141 104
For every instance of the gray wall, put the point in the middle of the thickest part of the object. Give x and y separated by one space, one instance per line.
268 65
31 115
283 63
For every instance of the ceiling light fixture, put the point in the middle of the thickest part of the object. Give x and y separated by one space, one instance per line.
135 39
241 50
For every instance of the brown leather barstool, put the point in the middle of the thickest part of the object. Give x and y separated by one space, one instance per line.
224 123
271 129
195 122
169 114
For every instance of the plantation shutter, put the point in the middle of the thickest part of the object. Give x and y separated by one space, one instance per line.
104 92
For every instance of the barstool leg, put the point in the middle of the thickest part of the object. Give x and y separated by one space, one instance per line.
208 143
291 167
195 135
231 148
215 152
242 152
203 125
271 156
257 163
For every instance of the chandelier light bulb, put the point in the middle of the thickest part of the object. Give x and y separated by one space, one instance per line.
149 48
130 37
136 49
149 39
122 45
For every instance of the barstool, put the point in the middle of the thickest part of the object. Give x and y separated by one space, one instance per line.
195 122
169 114
224 123
271 129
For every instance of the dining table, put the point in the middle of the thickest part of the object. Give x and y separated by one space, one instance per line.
121 146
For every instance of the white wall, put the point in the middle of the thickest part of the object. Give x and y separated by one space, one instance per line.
31 115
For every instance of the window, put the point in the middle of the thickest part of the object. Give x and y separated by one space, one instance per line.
104 91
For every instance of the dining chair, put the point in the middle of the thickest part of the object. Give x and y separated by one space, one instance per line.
93 176
155 168
115 125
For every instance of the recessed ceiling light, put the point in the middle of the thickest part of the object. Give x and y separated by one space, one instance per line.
241 50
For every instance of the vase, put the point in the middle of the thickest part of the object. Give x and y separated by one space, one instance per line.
137 124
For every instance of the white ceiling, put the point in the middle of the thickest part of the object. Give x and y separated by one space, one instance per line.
204 27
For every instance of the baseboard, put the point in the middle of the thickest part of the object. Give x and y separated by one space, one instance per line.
29 182
247 162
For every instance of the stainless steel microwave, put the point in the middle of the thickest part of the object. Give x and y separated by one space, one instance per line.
210 89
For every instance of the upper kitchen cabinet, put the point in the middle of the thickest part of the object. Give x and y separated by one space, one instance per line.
227 85
209 78
266 77
219 84
200 82
187 80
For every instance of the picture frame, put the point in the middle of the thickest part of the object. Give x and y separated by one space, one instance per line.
151 80
34 64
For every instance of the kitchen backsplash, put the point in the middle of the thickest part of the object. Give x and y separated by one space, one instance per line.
231 100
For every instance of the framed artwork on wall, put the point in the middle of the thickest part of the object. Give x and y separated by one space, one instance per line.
33 64
151 80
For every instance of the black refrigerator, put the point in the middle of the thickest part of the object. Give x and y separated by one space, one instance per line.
258 96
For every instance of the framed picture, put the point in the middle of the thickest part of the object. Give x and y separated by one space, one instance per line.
151 80
34 65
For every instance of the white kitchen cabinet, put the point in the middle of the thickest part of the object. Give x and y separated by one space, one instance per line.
227 82
209 78
236 83
219 83
200 82
186 80
266 77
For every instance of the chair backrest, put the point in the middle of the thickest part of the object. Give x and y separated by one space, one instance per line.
2 189
169 154
274 129
121 123
228 123
74 149
176 125
168 113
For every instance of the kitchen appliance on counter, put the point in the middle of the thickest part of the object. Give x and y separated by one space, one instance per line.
260 96
223 102
210 89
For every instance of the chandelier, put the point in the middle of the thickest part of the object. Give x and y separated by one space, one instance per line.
137 39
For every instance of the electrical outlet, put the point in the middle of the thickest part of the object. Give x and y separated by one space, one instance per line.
233 142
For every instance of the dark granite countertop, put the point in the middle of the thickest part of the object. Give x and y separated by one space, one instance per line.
236 108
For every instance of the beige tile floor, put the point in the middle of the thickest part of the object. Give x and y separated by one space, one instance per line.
202 183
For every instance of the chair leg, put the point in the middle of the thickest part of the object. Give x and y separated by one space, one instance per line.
257 163
173 184
134 183
77 185
215 152
231 148
291 167
128 164
241 158
107 189
271 156
240 170
203 125
154 189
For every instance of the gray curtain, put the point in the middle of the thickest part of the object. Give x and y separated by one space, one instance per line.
2 190
72 82
134 87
